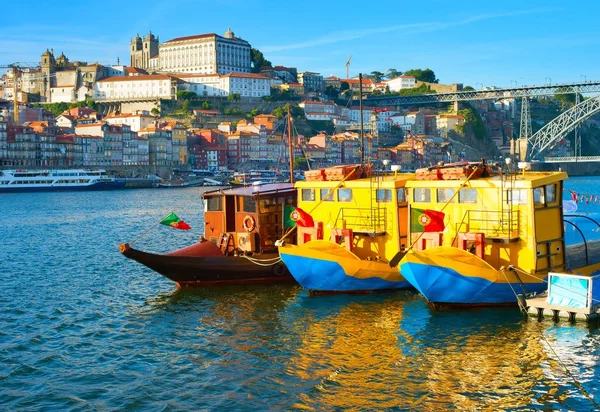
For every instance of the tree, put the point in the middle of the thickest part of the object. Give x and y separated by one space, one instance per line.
567 100
376 76
300 163
344 86
468 89
331 92
186 105
426 75
185 95
205 105
254 112
257 60
155 112
393 73
234 97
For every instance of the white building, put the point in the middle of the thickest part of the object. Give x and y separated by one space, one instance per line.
204 53
244 84
401 82
139 120
314 110
131 87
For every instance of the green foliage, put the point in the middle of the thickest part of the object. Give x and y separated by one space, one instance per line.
155 112
321 125
185 95
185 106
566 100
205 105
331 92
376 76
472 122
421 89
257 60
300 163
283 95
280 112
426 75
468 89
234 97
344 86
393 73
254 112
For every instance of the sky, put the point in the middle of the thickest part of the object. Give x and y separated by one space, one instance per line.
476 43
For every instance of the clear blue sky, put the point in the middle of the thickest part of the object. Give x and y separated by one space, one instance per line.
471 42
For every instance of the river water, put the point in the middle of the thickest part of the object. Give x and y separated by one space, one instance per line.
83 328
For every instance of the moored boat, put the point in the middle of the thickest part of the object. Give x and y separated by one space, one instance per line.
238 246
356 226
481 238
23 180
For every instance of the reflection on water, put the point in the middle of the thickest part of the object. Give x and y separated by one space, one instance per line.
84 328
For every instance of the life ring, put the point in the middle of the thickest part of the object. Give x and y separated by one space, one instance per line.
249 223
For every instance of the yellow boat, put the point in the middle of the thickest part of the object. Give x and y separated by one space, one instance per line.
359 225
502 233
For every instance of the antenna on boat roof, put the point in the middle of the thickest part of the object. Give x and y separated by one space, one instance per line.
362 133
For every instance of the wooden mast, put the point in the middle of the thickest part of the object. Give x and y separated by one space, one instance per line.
291 147
362 135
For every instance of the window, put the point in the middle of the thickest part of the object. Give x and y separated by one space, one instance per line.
538 196
467 196
249 204
444 195
422 195
383 195
551 194
402 194
308 195
324 193
344 195
516 196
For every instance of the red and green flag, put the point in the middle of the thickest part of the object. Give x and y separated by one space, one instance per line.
301 218
174 221
426 220
287 216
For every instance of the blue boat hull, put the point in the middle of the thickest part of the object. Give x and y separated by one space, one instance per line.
318 275
96 186
442 285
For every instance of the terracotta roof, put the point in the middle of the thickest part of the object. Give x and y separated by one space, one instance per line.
197 36
136 78
247 75
90 125
131 69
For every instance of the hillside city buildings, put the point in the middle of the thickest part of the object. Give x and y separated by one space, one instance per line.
217 67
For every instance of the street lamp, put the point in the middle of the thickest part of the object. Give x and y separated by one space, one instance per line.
480 84
549 80
584 77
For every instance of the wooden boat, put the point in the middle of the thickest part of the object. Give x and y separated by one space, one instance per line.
359 225
502 234
238 246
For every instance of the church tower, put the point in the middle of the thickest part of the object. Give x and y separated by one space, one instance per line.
48 64
135 51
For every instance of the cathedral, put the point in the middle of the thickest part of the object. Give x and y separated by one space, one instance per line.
201 54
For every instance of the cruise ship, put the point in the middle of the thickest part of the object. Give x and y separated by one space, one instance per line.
57 180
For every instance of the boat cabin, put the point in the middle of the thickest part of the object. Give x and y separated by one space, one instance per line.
248 219
504 218
367 215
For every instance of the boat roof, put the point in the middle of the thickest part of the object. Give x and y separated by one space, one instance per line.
516 179
387 181
252 190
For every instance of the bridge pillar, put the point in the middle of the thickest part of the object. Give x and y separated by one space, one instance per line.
456 106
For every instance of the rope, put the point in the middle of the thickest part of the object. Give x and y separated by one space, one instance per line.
523 309
577 384
323 199
259 261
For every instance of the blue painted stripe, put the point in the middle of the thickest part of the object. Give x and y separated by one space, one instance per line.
329 276
445 285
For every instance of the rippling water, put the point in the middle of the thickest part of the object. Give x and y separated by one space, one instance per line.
81 328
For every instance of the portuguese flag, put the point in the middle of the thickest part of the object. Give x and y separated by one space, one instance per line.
426 220
302 218
173 221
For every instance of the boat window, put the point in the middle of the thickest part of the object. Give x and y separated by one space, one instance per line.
214 203
538 196
344 195
551 194
422 195
467 196
248 204
444 195
517 196
324 193
384 195
402 194
308 195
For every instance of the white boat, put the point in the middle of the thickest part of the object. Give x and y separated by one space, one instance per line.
23 180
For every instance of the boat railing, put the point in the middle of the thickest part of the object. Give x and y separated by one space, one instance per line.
367 221
501 225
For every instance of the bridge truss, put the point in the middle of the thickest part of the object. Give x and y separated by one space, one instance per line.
563 124
516 92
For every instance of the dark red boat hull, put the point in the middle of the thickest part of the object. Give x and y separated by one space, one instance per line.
211 270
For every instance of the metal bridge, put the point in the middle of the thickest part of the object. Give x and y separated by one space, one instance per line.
572 159
514 92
